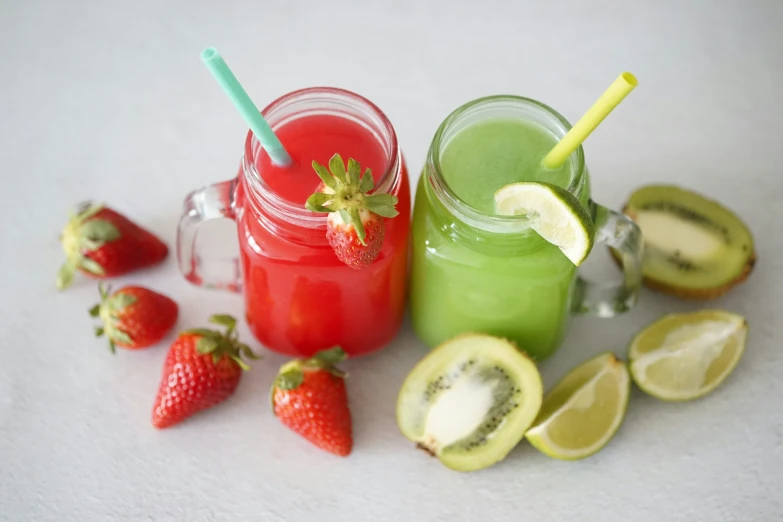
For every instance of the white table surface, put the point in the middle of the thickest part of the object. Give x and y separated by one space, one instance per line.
109 100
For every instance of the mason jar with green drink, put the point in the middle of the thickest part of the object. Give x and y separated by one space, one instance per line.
493 253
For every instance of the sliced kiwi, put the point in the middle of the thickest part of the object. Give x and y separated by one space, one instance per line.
470 401
695 248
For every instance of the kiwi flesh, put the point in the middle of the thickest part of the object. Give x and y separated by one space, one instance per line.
695 248
470 401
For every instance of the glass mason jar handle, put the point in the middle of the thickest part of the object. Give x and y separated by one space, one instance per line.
623 236
208 203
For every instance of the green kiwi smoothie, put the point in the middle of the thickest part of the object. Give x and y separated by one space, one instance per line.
468 275
485 157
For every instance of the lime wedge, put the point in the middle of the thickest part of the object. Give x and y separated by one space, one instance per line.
581 414
554 213
685 356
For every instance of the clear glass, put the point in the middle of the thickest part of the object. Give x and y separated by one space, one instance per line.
473 271
299 297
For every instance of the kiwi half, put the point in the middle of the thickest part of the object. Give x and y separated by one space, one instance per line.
470 401
695 248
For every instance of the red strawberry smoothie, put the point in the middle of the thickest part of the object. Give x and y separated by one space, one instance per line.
300 298
319 138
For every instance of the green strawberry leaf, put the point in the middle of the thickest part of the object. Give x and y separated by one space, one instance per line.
382 204
65 276
316 202
247 352
367 183
90 245
90 266
337 372
331 356
240 362
206 345
383 210
120 301
112 346
224 320
387 212
95 310
345 216
381 200
356 220
324 174
99 230
99 331
354 172
222 344
290 379
120 336
337 167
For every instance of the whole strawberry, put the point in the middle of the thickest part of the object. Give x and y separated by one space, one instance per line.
134 317
309 397
355 226
103 243
201 370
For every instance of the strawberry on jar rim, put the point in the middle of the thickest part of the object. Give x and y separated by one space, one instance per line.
101 242
309 397
134 317
202 369
355 226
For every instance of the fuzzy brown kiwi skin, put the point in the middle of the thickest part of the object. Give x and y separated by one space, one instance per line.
690 294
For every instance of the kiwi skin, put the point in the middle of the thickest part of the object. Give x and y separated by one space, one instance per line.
496 457
693 294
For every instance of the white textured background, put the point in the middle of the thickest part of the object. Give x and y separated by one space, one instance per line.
109 100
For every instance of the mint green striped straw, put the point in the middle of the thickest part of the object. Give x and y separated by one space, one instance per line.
252 116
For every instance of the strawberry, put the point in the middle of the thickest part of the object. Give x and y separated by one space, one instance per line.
309 397
201 370
355 226
347 244
134 317
101 242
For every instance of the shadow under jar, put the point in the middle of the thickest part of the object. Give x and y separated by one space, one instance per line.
299 297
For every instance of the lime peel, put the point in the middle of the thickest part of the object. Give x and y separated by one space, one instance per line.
554 213
470 401
584 404
685 356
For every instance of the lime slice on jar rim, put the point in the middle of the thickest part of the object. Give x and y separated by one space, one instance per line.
554 213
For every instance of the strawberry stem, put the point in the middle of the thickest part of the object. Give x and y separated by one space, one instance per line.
223 344
84 234
109 310
349 193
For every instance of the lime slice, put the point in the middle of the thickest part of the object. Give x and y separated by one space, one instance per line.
554 213
685 356
581 414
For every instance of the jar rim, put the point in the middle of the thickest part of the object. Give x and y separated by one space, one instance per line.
462 209
321 100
